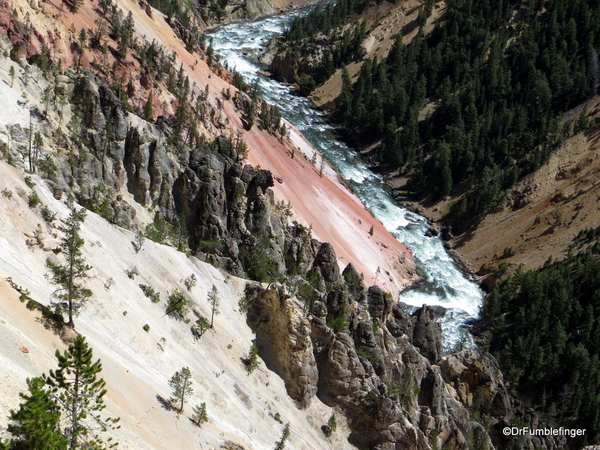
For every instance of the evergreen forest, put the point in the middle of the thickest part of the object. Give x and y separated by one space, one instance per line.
477 101
543 327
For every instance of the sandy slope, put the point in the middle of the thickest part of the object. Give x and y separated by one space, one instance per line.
240 406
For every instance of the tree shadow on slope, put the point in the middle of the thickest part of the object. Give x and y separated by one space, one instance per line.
165 404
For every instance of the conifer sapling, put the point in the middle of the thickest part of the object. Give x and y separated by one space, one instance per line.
71 294
181 388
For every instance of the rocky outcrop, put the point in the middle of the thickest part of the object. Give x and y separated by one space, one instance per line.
284 66
19 52
327 263
427 334
476 378
384 370
283 339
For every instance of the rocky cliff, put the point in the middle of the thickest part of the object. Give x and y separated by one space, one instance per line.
382 369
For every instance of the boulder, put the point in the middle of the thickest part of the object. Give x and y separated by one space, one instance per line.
18 53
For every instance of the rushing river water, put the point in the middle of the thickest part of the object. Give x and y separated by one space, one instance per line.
238 46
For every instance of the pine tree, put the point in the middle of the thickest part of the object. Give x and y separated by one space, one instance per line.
200 416
11 73
181 388
35 425
148 111
332 423
79 392
200 327
443 174
213 299
344 101
71 295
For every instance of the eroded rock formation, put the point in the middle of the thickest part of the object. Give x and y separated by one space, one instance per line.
384 370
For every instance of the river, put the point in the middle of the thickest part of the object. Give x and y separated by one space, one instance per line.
239 46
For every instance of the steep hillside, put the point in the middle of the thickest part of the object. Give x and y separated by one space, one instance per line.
197 189
379 370
189 94
444 104
137 363
484 118
156 141
541 215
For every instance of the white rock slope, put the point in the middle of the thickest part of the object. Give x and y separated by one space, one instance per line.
240 406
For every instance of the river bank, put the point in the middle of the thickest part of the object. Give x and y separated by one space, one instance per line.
443 282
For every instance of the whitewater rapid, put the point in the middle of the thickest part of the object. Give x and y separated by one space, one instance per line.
239 46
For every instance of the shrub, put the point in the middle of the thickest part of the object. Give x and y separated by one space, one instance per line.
150 293
47 214
47 167
33 200
508 252
338 324
146 328
332 423
29 182
190 282
177 305
251 362
200 326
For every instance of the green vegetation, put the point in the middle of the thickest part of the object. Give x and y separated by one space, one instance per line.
138 242
71 295
337 324
251 362
284 436
553 358
322 19
33 200
190 282
79 393
181 388
177 305
48 167
35 425
497 78
63 410
29 182
332 423
200 416
150 293
213 301
257 261
200 327
164 232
